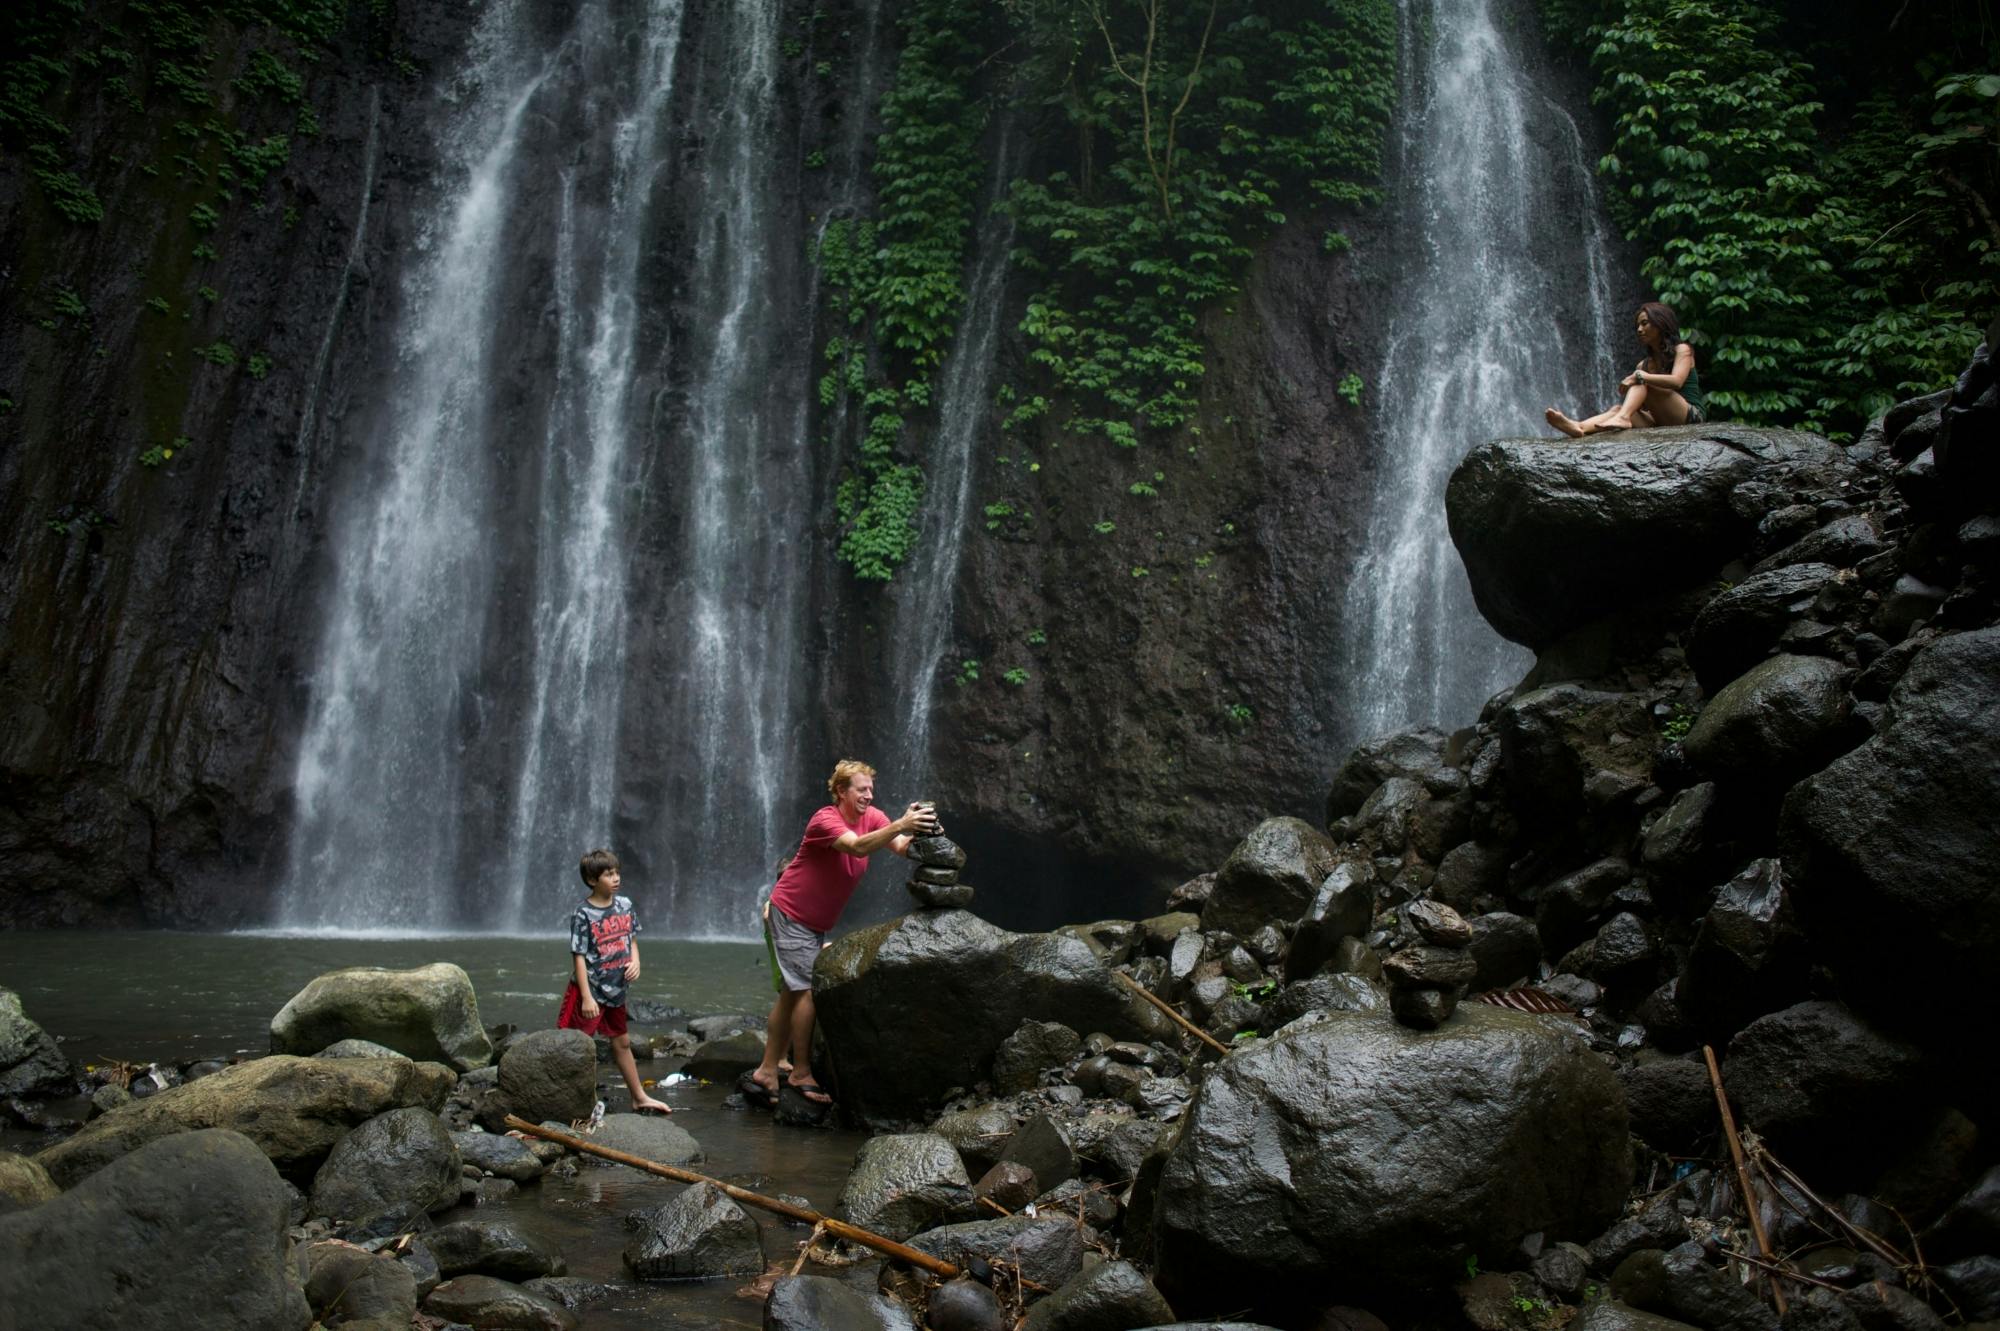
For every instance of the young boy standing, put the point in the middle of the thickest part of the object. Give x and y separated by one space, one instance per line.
604 952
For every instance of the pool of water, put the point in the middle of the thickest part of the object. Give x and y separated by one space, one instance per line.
172 997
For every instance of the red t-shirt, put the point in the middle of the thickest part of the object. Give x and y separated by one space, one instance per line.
815 886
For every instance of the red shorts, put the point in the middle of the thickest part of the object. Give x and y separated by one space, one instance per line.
609 1021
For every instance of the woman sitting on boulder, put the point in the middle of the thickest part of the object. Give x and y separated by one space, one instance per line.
1664 390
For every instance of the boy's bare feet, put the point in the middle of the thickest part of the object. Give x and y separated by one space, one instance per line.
1565 424
646 1104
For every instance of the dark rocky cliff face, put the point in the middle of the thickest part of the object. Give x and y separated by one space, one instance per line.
163 619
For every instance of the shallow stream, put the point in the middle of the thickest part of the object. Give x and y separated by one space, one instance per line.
167 997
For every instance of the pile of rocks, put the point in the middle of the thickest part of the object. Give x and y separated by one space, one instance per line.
934 882
1427 979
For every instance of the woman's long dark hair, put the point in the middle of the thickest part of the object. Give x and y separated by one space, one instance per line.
1668 323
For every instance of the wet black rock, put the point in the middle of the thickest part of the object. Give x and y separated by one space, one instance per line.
1272 874
483 1301
1110 1294
1971 1224
1550 532
1555 740
31 1062
347 1284
1842 543
399 1161
1658 1225
1423 1007
1890 849
1049 1249
1780 719
497 1153
933 896
936 852
546 1075
821 1303
699 1233
189 1229
1505 948
1524 1130
1565 908
1033 1047
880 992
1681 1284
1326 992
964 1305
1813 1076
902 1183
1417 754
1749 956
1041 1146
1441 967
1740 627
1468 873
1341 907
1672 1105
1974 1285
492 1248
1438 923
1610 1315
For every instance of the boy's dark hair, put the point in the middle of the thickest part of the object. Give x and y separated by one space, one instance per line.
595 865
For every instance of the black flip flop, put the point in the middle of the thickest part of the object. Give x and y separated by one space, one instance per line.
755 1093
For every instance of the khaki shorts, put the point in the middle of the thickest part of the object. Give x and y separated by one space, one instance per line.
792 948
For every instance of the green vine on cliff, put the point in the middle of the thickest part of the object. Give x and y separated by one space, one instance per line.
1196 129
1820 278
895 279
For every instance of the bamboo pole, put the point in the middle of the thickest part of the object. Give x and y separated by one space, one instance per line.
1743 1175
1179 1020
838 1228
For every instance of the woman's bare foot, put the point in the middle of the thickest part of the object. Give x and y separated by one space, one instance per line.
1565 424
646 1104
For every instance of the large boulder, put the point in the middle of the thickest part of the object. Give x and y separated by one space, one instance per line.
1270 876
905 1182
649 1136
402 1161
1890 850
492 1248
1777 721
188 1231
698 1234
31 1063
1352 1156
489 1302
1047 1249
295 1109
1555 535
916 1006
1814 1078
429 1013
1554 740
548 1076
348 1284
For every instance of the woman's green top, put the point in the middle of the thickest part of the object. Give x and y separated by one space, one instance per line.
1691 390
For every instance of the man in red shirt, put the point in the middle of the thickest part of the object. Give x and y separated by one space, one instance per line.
805 905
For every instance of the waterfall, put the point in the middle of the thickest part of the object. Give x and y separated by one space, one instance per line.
471 661
1504 308
565 787
928 582
732 700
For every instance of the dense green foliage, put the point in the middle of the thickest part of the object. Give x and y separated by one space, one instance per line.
1825 233
1183 136
895 279
1196 128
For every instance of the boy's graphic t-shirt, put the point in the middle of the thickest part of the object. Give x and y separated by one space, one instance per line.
602 936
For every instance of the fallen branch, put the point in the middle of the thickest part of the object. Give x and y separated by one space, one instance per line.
838 1228
1168 1008
1742 1174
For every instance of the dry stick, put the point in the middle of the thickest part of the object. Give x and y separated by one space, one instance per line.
807 1247
838 1228
1874 1242
1742 1174
1179 1020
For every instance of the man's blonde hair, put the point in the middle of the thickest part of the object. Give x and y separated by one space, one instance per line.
844 773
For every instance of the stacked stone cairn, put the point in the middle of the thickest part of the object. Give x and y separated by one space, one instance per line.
1427 978
934 882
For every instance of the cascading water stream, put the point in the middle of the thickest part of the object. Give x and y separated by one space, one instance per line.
1504 310
565 786
379 778
965 412
733 706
